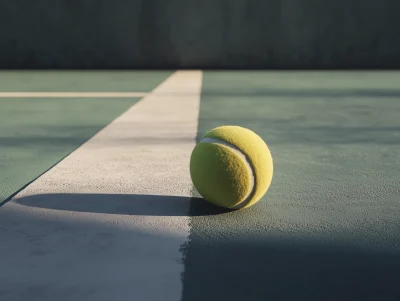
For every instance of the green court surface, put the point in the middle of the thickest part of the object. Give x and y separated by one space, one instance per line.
329 227
37 133
81 81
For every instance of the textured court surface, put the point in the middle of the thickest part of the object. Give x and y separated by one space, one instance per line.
329 228
116 217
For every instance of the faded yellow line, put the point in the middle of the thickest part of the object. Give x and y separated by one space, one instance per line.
71 94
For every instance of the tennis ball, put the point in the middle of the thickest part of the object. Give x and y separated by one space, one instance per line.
231 167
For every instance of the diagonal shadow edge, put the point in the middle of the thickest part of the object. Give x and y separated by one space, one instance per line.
121 204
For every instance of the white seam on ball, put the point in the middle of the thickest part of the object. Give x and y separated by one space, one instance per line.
247 163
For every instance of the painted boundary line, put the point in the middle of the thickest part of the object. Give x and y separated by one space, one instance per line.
72 94
108 222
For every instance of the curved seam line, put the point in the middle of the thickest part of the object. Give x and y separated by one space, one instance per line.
248 161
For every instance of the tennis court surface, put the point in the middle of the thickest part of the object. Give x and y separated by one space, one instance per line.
97 202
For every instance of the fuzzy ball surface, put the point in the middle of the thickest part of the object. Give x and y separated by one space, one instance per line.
231 167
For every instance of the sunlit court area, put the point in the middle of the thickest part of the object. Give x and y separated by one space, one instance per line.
241 150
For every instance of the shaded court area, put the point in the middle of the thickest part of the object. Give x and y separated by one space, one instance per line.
329 227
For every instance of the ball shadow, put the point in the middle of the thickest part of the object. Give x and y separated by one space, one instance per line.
123 204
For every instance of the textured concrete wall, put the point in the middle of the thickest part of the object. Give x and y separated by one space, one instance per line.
199 33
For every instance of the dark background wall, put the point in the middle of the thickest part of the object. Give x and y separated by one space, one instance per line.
199 33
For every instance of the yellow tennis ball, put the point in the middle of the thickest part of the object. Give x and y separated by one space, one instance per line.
231 167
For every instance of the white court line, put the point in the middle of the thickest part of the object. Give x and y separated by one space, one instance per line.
107 223
71 94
